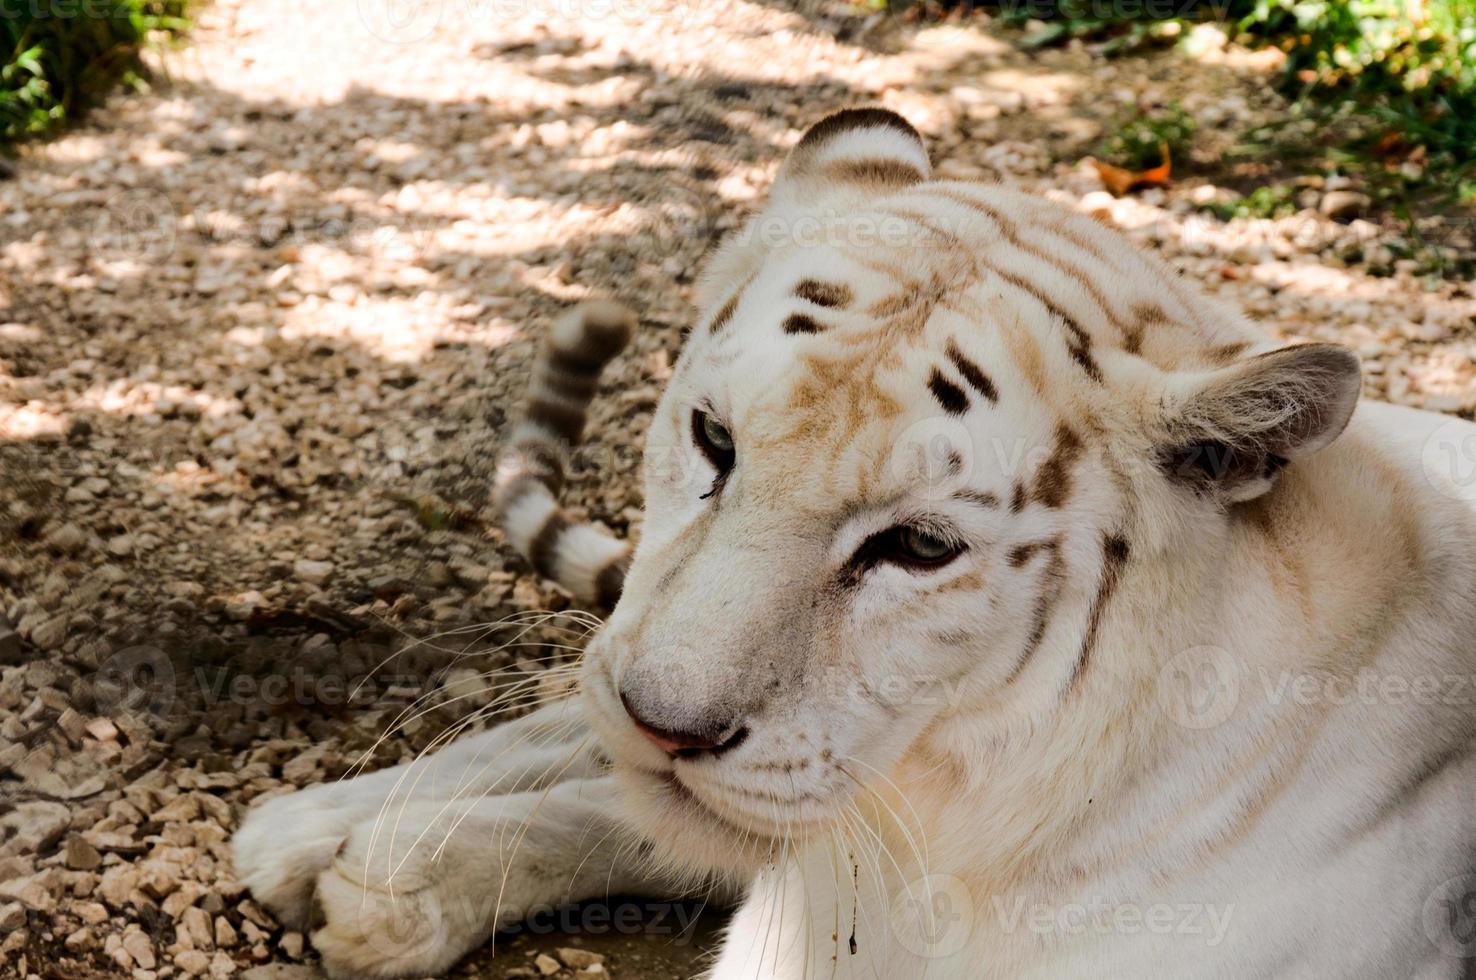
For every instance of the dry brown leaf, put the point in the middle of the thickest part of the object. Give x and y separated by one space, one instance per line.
1119 180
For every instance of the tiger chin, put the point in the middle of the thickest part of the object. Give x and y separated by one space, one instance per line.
1004 607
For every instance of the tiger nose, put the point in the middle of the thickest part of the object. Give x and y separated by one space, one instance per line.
714 739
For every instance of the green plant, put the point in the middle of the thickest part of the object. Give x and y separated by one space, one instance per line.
1270 201
59 57
1138 136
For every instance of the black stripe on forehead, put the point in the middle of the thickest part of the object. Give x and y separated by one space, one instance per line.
949 395
799 323
972 373
832 295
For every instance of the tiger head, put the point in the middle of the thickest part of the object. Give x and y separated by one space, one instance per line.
918 497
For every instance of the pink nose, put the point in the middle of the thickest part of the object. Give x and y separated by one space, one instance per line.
685 744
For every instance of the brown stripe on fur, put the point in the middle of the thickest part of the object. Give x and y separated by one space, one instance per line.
971 372
892 304
583 360
981 497
1078 232
1020 554
1226 353
1052 484
543 549
1115 553
1132 340
1052 582
611 580
607 329
1078 341
1011 234
578 387
832 295
579 362
940 237
538 460
949 395
1145 315
882 171
1079 344
561 419
726 311
866 117
800 323
1132 333
1017 498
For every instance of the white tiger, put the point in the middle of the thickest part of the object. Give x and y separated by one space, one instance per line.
1003 608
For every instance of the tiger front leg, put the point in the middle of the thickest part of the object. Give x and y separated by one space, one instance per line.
287 845
410 896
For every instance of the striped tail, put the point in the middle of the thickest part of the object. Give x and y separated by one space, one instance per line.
582 557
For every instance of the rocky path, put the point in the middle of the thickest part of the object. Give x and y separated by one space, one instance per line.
260 331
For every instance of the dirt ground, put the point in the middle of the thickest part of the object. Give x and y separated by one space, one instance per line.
261 330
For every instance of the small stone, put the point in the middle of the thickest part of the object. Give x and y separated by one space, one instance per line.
196 922
313 572
113 949
292 943
579 959
38 891
178 902
118 885
10 645
66 539
51 634
282 971
547 965
82 856
79 940
192 962
181 809
91 913
1343 205
222 966
12 916
137 945
34 827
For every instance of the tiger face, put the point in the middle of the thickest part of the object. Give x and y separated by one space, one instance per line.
915 460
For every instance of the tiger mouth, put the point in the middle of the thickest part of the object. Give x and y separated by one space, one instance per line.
769 829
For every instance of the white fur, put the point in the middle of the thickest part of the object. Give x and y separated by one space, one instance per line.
924 790
522 519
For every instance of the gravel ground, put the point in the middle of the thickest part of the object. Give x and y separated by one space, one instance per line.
260 330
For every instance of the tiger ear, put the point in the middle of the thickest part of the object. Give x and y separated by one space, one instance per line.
854 150
1228 434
